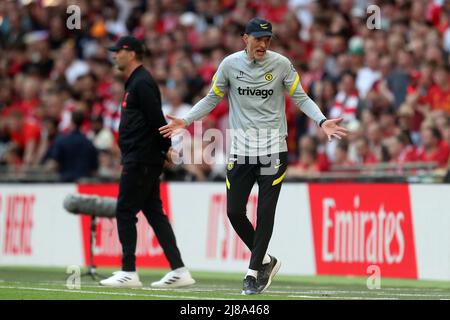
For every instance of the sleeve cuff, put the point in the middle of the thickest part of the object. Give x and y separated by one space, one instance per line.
187 122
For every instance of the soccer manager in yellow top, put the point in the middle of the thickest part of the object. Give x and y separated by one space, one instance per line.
256 80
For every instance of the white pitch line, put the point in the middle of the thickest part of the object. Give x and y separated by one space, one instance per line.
340 297
107 293
326 294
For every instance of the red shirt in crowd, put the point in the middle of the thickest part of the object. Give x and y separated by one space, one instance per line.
440 155
314 167
321 164
439 99
408 154
30 131
369 158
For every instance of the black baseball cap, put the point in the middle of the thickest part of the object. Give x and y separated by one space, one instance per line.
258 28
128 43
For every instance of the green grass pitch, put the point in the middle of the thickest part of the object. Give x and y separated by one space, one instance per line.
19 283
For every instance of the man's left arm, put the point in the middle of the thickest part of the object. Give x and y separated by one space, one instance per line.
295 90
291 82
150 102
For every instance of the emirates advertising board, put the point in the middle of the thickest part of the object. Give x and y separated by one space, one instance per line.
320 229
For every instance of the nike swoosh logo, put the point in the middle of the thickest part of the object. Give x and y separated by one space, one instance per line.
277 166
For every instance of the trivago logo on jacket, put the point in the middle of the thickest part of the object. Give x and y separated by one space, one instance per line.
355 226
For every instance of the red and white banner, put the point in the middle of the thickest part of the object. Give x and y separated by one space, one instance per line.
358 225
34 227
107 248
320 229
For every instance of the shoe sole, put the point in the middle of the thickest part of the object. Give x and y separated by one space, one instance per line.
272 274
139 285
250 294
185 284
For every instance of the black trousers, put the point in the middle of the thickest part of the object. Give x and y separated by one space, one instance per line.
139 190
242 173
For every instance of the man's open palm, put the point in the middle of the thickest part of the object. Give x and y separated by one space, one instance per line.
332 129
171 129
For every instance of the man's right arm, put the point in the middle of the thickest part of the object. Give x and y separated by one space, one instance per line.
210 101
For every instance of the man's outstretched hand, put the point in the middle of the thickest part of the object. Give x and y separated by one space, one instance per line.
332 129
171 129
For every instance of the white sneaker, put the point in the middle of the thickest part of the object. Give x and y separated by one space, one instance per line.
174 279
122 279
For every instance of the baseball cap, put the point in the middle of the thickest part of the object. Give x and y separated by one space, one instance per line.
258 28
128 43
356 46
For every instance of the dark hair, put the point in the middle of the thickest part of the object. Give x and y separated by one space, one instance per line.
405 137
436 133
141 53
312 151
97 118
52 120
348 73
343 145
363 139
77 119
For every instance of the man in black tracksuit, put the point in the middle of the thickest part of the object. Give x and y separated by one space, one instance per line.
144 151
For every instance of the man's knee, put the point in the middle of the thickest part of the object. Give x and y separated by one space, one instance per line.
126 213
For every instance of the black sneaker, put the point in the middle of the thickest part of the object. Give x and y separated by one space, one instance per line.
250 286
267 272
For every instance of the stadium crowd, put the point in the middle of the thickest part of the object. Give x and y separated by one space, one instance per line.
390 84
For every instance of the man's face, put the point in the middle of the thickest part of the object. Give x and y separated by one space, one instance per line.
394 147
257 47
122 58
427 138
361 148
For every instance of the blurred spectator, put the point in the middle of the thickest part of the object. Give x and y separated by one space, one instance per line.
46 143
308 142
73 155
433 148
74 67
341 154
375 138
197 169
388 123
307 165
401 149
405 117
399 79
109 108
24 134
363 153
418 98
101 137
174 106
347 99
311 160
368 75
12 158
439 94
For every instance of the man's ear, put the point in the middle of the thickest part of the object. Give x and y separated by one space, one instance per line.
245 38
